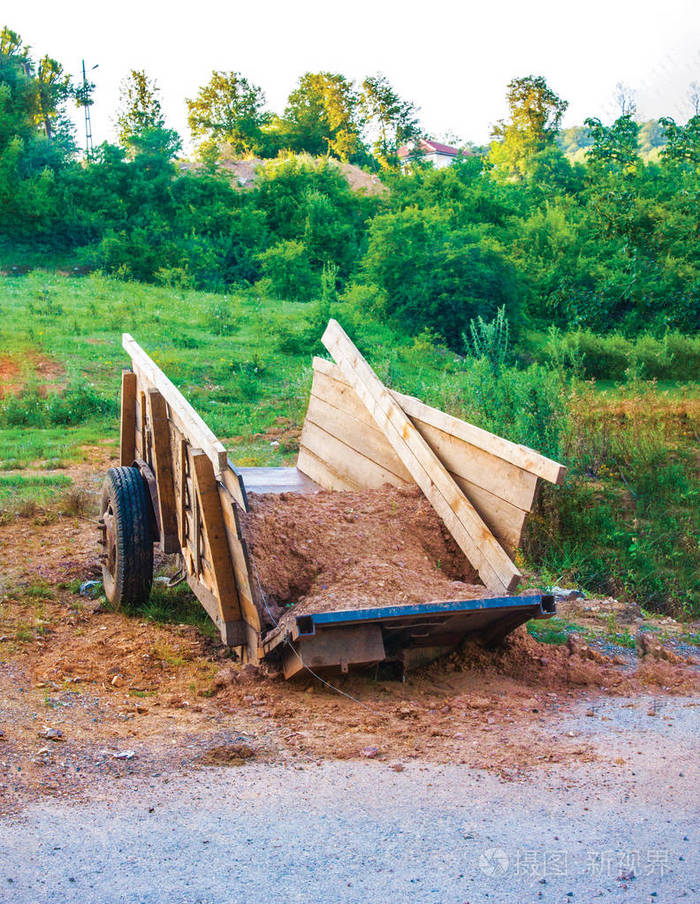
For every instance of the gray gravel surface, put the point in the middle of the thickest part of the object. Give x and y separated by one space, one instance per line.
622 828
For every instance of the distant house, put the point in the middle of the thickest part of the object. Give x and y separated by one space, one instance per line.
439 155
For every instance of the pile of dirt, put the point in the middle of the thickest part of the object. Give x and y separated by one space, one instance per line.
244 169
354 550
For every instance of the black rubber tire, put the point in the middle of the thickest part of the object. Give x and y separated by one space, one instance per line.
128 571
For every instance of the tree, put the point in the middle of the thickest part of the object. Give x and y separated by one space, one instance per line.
434 274
535 116
615 146
139 106
390 121
682 142
228 109
322 116
626 99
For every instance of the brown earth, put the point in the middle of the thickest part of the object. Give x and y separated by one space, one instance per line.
88 696
15 370
243 170
354 550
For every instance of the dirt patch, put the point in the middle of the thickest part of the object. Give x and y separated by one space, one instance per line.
243 171
10 379
14 373
354 550
227 755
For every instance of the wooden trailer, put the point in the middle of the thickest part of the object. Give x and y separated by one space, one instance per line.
176 487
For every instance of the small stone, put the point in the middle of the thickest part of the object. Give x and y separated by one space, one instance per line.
369 752
124 755
52 734
397 767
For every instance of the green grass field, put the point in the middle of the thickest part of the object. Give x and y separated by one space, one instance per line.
626 522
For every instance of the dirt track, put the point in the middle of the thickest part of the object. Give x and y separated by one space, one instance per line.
622 827
79 687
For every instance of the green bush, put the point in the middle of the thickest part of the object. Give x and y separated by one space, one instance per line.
33 408
287 272
435 274
615 357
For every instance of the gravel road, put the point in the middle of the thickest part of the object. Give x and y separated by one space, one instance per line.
622 828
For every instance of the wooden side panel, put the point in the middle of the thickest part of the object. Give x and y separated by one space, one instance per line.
459 515
214 530
163 469
514 453
501 449
350 465
240 561
480 468
127 438
498 487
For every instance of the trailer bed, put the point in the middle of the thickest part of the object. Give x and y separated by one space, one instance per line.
357 435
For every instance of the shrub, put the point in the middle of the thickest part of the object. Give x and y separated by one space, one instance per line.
489 340
437 275
615 357
74 405
365 297
223 317
287 271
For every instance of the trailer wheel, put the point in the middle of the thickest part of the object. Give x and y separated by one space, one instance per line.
127 569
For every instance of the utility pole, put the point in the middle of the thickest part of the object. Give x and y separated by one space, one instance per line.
87 103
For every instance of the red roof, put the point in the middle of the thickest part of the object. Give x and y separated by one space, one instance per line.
427 146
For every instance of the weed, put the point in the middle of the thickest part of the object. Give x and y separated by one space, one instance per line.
78 501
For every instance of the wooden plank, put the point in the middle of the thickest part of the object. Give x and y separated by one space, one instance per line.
243 577
215 529
320 472
346 462
480 468
163 468
365 440
142 440
232 633
505 521
461 518
520 456
514 453
127 438
182 413
231 479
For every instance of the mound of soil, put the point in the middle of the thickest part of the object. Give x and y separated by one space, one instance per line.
354 550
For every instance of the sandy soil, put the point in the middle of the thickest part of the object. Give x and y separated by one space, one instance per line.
332 551
88 696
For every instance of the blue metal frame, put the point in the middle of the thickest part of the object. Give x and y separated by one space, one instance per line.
508 603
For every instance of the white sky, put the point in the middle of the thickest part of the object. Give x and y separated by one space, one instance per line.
453 59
